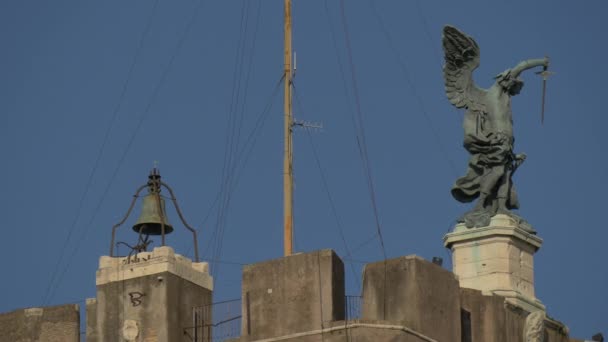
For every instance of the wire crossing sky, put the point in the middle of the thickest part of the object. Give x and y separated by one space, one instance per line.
192 84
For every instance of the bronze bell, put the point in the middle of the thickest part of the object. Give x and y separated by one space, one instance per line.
150 221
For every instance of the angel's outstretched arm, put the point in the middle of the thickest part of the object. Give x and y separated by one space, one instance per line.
529 64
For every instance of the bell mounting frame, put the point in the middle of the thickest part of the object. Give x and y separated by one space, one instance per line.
154 186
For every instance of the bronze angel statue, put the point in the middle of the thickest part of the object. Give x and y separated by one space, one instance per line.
488 130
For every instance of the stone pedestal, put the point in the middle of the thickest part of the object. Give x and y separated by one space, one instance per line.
497 260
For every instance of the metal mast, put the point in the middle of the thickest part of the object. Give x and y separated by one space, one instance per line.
288 155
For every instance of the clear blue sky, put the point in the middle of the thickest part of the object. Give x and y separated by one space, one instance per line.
64 64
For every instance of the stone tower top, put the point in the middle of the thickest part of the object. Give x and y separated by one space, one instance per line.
160 260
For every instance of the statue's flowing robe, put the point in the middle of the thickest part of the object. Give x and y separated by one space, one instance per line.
486 157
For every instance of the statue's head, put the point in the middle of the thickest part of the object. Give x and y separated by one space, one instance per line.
511 84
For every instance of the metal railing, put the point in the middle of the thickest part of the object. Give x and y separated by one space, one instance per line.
215 322
352 306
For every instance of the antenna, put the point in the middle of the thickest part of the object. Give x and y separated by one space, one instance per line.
308 124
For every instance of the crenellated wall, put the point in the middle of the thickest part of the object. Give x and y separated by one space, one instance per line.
406 299
296 298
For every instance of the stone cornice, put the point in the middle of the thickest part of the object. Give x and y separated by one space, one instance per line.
160 260
501 225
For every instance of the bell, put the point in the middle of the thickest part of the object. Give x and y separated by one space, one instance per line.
150 221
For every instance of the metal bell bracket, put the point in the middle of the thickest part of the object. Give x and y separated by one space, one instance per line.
155 184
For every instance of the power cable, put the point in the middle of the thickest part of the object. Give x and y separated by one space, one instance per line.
365 243
248 75
437 54
413 89
102 148
425 25
239 117
131 140
340 65
231 129
343 77
235 129
245 153
361 261
406 75
361 141
363 149
228 262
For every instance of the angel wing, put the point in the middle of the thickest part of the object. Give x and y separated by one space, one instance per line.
461 58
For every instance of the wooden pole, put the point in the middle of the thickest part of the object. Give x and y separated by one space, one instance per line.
288 155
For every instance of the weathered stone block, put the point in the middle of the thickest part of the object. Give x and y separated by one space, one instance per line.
297 293
414 292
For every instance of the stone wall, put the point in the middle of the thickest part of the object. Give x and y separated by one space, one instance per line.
48 324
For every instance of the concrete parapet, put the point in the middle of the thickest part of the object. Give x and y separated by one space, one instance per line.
290 295
415 293
49 324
